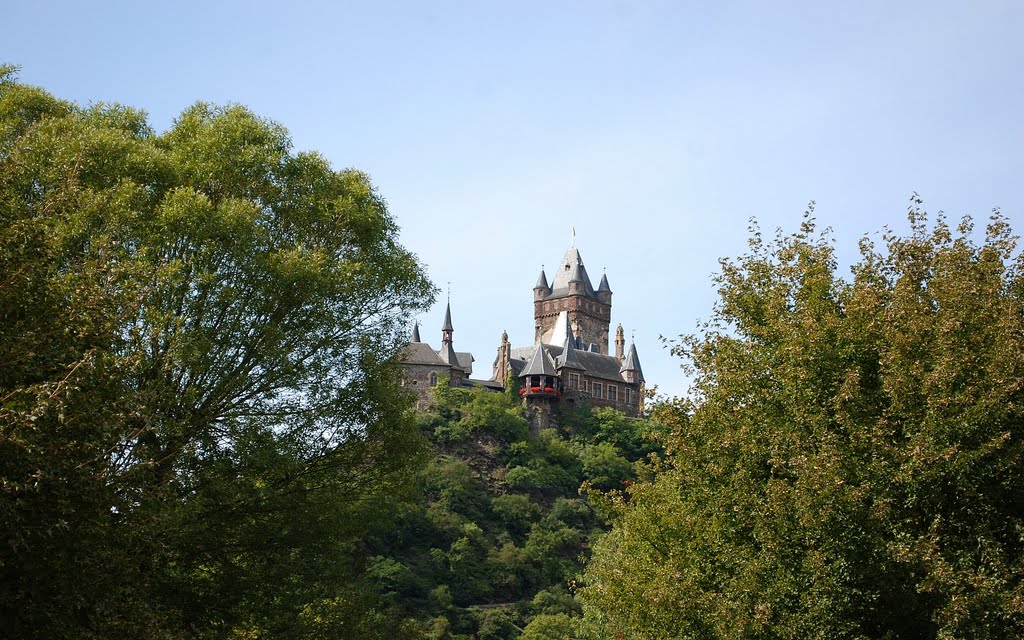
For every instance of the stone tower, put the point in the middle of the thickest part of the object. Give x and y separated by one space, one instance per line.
589 311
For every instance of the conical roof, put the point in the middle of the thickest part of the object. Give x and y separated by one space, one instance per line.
416 333
542 281
576 275
539 364
604 284
632 363
569 359
447 326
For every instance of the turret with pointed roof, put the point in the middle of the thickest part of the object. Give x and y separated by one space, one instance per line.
568 359
631 366
542 281
446 328
604 292
447 352
415 333
539 364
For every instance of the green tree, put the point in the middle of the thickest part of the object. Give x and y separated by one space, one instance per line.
196 405
850 465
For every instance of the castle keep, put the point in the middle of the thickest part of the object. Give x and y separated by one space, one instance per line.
568 362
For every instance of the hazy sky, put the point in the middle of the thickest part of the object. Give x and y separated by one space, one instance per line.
657 129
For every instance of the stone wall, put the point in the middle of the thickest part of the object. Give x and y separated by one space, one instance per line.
589 318
417 378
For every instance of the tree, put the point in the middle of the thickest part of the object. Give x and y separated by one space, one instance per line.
196 401
850 465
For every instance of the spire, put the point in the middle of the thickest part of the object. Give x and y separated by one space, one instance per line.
416 332
603 287
447 352
539 364
447 326
569 359
542 280
631 366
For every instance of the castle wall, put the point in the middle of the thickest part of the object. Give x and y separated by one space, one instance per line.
417 379
589 318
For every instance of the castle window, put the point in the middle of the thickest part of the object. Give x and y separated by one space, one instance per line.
596 390
613 393
433 379
629 396
574 381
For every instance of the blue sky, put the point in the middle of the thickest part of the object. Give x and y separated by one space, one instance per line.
657 129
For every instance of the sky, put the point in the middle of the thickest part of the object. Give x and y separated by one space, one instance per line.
657 130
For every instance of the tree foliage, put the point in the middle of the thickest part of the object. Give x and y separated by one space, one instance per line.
502 531
196 409
851 463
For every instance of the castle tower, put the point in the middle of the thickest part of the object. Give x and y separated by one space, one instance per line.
571 291
620 342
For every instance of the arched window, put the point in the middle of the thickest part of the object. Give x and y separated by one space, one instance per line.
433 379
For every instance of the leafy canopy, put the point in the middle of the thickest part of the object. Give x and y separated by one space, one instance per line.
195 404
851 463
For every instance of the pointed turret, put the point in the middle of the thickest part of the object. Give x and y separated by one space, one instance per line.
416 333
539 364
542 280
569 359
541 290
447 352
603 287
631 366
446 328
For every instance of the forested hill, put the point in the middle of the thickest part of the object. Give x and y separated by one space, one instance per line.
495 545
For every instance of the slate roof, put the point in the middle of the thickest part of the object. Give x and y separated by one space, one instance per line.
542 281
448 356
595 365
539 364
447 326
493 385
416 333
465 360
420 353
569 270
632 363
604 284
568 359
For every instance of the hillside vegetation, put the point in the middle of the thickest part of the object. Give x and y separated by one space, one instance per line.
495 546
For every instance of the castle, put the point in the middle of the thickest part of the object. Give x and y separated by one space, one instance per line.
567 364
